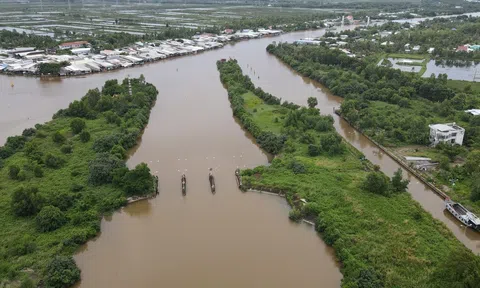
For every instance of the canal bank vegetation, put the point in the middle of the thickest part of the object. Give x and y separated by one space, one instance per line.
382 237
395 109
59 178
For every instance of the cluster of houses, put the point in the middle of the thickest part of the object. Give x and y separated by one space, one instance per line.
82 59
468 48
332 42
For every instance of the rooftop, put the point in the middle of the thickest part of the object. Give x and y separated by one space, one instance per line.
449 127
474 112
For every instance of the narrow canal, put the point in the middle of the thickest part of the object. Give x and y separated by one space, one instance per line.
203 240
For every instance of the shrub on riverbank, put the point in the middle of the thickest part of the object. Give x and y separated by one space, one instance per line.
60 186
380 241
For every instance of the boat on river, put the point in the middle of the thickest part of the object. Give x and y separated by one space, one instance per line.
211 179
462 214
184 184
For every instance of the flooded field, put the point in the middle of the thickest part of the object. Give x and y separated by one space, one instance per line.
404 64
144 18
467 73
231 239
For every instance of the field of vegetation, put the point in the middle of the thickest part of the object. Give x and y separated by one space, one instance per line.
381 236
59 178
396 108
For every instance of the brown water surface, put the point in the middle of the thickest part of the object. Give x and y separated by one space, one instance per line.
230 239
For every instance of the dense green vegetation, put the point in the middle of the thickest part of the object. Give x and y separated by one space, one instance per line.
59 178
51 68
396 108
12 39
382 237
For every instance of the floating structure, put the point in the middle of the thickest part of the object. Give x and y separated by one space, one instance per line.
211 179
184 184
462 214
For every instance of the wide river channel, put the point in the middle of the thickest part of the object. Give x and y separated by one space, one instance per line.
230 239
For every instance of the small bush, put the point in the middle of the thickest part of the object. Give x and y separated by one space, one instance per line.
13 171
26 201
297 167
27 283
62 272
23 246
106 143
49 218
101 168
295 215
119 152
22 175
29 132
57 137
38 171
84 136
376 182
51 161
76 187
66 149
77 125
314 150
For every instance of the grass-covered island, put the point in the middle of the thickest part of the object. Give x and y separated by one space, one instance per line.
395 109
381 236
59 178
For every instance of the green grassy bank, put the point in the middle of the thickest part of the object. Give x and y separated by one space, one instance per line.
381 236
59 178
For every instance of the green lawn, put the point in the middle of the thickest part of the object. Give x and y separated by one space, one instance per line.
263 114
460 85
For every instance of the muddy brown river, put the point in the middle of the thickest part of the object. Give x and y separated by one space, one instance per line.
230 239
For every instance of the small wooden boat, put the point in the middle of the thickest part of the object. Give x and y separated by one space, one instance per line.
237 177
184 184
462 214
211 179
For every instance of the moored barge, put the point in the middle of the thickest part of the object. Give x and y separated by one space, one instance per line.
462 214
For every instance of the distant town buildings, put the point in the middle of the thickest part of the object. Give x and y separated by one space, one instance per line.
308 41
72 45
449 133
25 60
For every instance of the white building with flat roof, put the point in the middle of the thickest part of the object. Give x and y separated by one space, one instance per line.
474 112
449 133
